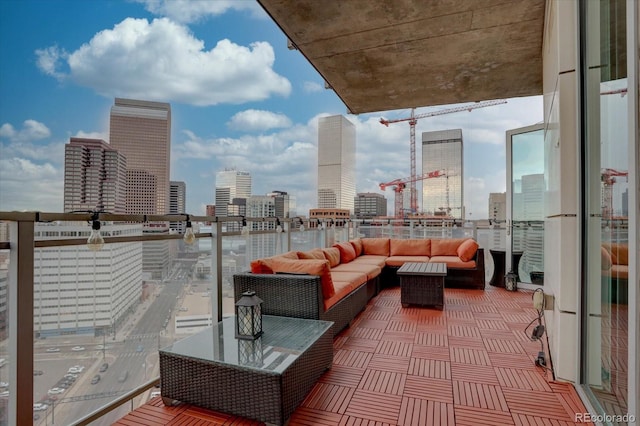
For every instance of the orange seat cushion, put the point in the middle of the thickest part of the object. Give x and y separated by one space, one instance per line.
332 254
453 262
467 250
347 252
446 247
379 246
401 260
310 267
342 289
413 247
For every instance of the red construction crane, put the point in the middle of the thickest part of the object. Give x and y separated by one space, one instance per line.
413 119
608 178
400 184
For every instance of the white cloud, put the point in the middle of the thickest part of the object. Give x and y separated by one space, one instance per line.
30 186
48 60
32 130
186 11
92 135
252 120
312 87
162 60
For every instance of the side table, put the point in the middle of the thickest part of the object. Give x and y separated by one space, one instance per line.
499 258
422 284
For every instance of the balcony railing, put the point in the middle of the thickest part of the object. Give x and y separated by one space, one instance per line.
64 306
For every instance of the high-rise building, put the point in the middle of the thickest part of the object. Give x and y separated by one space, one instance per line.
336 163
141 130
78 291
368 205
497 206
95 176
442 150
177 203
285 204
231 184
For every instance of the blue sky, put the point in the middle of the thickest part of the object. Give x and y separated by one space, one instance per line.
239 98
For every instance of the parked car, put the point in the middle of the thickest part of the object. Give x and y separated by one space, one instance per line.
55 391
77 348
4 385
104 367
39 406
4 394
95 379
38 372
53 349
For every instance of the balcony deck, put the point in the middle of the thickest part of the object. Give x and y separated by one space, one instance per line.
471 363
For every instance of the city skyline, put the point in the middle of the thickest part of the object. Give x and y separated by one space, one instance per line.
259 112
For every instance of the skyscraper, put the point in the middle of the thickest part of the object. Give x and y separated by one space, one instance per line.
95 176
336 163
141 130
442 150
177 203
498 206
230 185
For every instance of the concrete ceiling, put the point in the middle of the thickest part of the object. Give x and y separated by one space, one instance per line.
393 54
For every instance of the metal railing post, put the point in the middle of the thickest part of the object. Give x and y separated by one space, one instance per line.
216 259
21 289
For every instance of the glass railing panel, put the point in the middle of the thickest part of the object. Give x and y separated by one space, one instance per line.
100 317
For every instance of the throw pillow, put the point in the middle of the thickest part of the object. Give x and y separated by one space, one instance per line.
347 252
332 254
307 266
467 250
357 246
311 254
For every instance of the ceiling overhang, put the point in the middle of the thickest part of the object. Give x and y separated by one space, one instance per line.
393 54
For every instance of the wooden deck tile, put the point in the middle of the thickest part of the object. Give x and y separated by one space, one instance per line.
470 364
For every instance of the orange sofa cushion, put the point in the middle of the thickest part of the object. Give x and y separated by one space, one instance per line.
347 252
332 254
310 267
467 250
263 266
410 247
446 247
312 254
453 262
342 289
378 246
357 246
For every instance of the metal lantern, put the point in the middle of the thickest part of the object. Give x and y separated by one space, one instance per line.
249 316
511 281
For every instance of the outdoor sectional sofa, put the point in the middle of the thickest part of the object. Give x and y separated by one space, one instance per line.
335 283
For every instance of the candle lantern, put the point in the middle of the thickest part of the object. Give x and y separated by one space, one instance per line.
511 281
249 316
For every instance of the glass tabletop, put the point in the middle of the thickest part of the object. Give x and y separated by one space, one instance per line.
282 342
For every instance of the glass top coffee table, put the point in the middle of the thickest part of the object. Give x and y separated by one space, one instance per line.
263 379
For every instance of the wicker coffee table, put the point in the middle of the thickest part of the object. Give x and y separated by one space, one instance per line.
263 380
422 284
